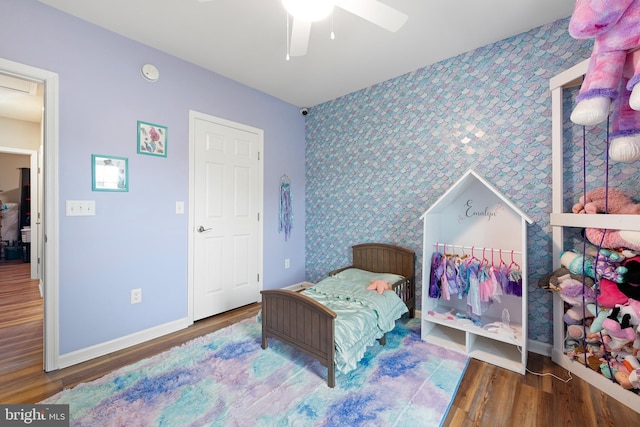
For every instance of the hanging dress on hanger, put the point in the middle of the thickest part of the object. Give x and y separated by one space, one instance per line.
436 274
515 283
473 297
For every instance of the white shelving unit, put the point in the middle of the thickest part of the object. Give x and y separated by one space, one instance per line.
559 220
472 216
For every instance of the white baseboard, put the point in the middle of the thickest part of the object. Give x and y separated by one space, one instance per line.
538 347
82 355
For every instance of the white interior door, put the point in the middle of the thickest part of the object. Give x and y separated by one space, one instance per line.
227 204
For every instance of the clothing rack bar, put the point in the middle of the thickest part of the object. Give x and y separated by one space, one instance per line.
475 248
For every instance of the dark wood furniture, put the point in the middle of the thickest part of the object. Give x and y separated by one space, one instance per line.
309 326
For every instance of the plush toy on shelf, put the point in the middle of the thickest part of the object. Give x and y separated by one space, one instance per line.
600 314
634 379
553 281
620 332
613 71
577 295
606 200
630 286
613 201
606 264
610 294
578 264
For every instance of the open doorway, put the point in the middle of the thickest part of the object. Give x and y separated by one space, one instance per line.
22 304
38 91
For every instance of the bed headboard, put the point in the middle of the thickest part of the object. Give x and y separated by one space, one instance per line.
383 258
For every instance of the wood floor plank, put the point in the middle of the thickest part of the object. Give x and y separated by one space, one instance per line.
487 396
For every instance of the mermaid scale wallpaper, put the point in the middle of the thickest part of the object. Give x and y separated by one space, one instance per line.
378 158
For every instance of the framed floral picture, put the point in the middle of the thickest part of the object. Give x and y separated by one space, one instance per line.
152 139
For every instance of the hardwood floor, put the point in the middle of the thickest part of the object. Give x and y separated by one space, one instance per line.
487 396
492 396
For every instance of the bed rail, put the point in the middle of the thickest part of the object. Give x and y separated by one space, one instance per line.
405 289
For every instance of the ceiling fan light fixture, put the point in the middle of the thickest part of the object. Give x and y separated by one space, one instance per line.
308 10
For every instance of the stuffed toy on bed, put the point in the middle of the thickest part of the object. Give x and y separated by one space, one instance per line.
379 285
613 72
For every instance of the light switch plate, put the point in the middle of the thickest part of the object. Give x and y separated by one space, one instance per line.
179 207
81 207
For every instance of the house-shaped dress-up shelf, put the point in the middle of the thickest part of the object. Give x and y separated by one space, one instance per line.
474 223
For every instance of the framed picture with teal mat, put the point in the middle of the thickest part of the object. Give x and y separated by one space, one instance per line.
109 173
152 139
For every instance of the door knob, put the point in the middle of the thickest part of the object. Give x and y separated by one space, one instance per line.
201 229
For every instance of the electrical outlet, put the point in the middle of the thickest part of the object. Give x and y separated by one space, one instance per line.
136 296
287 264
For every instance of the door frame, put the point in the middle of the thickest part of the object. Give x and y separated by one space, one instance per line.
50 222
191 226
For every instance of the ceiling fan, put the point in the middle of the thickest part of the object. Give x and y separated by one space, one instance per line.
304 12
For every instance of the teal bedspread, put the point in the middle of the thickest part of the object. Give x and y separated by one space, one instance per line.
362 315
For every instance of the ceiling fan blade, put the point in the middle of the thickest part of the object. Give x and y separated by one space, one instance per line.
300 32
375 12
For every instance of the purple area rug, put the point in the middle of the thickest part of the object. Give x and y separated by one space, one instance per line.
227 379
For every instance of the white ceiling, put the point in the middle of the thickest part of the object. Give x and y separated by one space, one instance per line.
245 40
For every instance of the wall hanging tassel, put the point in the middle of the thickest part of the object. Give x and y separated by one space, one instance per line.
286 209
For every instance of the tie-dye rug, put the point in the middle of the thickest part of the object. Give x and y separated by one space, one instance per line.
227 379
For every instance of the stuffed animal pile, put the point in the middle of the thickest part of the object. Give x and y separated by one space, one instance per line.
601 288
601 291
613 72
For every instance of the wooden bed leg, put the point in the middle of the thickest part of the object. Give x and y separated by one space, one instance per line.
264 339
331 375
383 340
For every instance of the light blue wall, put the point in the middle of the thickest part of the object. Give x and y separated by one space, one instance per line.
378 158
136 240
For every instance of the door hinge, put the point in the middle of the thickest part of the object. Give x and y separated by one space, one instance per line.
258 155
258 216
258 277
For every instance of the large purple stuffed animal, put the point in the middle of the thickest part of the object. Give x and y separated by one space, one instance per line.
613 73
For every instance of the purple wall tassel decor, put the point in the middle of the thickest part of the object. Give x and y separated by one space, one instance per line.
286 210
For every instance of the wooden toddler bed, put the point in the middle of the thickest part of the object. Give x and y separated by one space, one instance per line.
309 326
